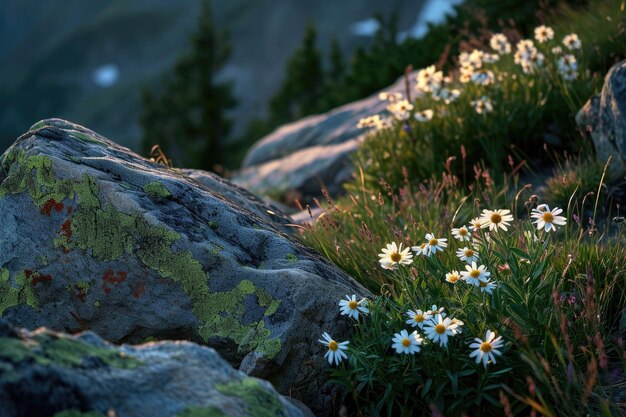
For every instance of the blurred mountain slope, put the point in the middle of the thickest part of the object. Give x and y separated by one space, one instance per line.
52 50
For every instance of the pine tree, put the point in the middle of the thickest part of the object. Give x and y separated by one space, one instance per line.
302 92
188 119
335 82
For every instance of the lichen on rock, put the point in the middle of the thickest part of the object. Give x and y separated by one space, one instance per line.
109 234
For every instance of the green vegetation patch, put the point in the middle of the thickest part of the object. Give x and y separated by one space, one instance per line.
63 351
16 292
86 138
259 401
156 189
202 412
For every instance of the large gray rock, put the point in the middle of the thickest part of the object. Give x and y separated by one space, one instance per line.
604 116
47 374
310 153
96 237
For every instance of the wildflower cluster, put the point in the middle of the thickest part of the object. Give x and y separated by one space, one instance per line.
477 68
436 326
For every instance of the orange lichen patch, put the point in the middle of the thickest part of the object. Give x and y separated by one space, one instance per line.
114 278
36 277
66 229
50 205
139 290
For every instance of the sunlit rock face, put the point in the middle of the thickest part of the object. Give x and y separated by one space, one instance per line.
311 153
95 237
48 374
604 117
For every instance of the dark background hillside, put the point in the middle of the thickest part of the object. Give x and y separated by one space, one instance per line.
87 62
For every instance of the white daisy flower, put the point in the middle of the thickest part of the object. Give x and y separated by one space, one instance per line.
435 244
569 74
404 342
473 274
439 329
418 318
436 310
429 79
500 44
496 219
557 50
424 115
456 326
453 277
390 96
476 224
487 349
487 286
482 105
462 233
393 255
571 41
401 109
548 219
543 33
351 307
335 350
468 255
375 122
447 95
483 77
490 58
421 249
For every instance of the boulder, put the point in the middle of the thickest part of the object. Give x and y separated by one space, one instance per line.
604 117
47 374
95 237
242 198
310 153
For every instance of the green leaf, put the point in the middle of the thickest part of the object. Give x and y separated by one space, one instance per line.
520 253
427 385
454 379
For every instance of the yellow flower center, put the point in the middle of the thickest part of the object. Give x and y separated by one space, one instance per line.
418 318
406 342
433 242
453 278
422 246
396 257
463 232
547 217
353 304
469 253
495 218
440 329
483 284
333 346
486 347
475 273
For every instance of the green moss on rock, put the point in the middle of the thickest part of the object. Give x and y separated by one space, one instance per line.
86 137
202 412
45 349
108 234
17 292
260 402
156 189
